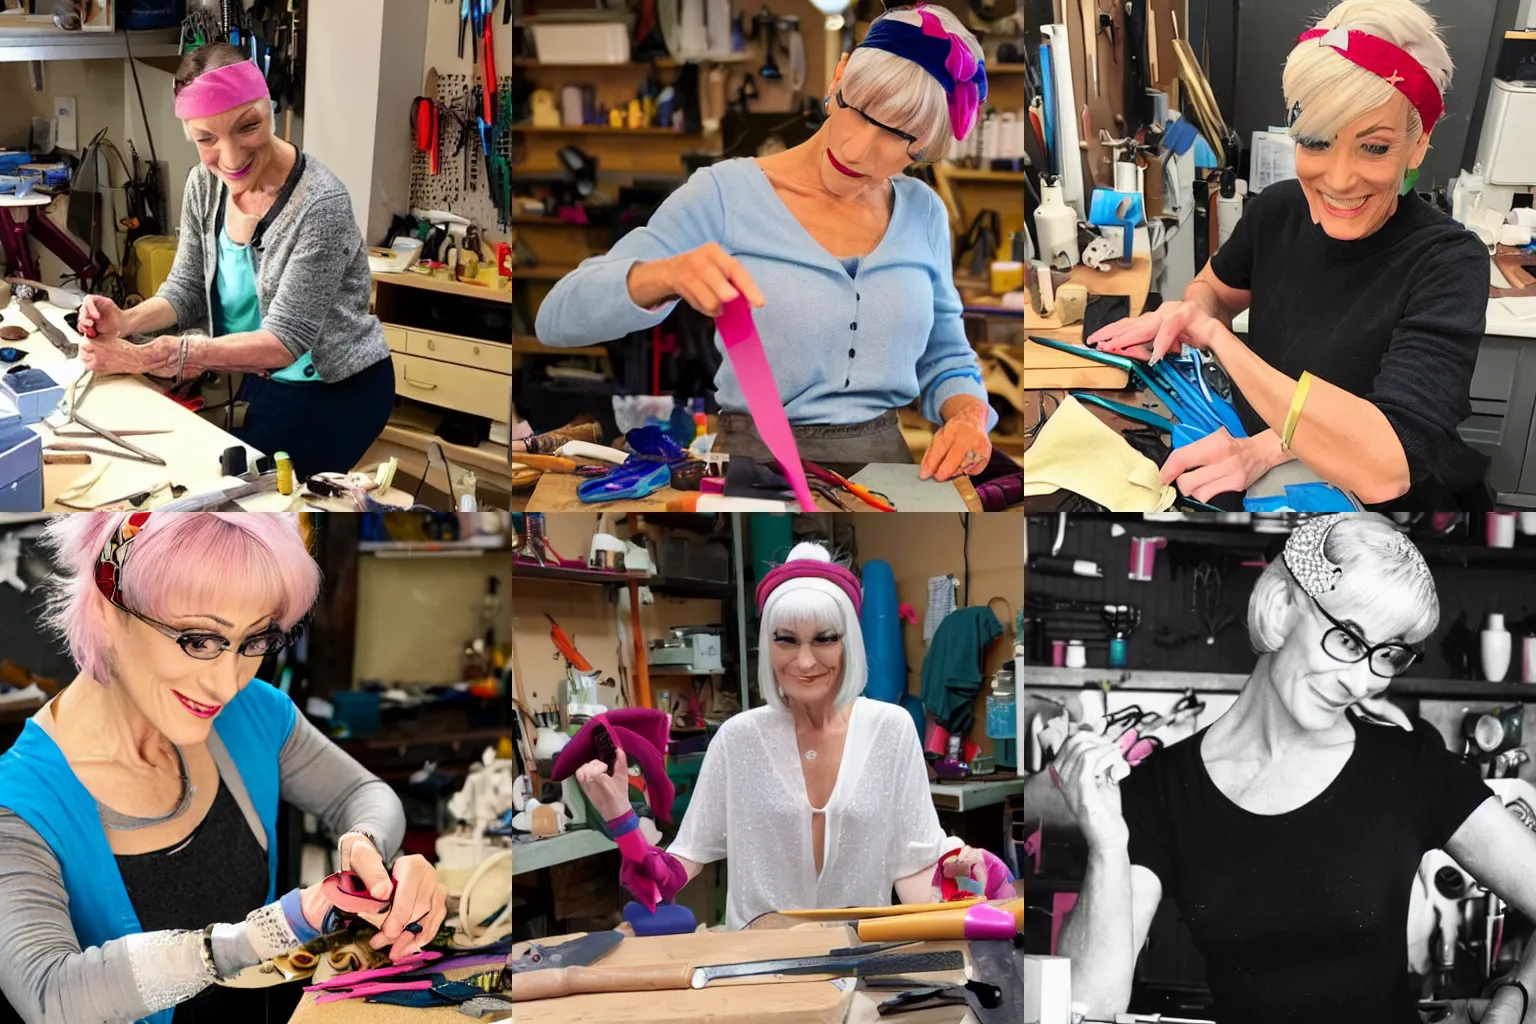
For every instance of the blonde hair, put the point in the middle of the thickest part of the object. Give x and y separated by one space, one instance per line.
899 92
1332 91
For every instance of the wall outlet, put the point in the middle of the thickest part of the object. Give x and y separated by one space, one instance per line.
65 123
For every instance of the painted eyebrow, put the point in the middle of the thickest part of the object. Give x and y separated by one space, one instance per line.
1377 128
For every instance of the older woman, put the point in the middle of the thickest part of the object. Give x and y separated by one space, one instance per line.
1366 305
857 307
1290 830
138 810
271 256
837 780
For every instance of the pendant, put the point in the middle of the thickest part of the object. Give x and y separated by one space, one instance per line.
810 755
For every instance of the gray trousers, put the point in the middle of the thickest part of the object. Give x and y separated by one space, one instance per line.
848 446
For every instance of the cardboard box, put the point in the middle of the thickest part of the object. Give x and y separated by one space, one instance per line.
21 466
35 394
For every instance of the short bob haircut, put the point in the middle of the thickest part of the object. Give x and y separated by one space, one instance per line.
181 562
1379 566
899 92
823 604
210 58
1332 91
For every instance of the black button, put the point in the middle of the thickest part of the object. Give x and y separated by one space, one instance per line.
856 295
848 382
853 326
309 371
850 353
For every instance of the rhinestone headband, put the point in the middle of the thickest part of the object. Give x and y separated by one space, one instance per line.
1315 571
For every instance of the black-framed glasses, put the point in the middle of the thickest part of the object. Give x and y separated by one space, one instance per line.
205 645
906 137
1387 660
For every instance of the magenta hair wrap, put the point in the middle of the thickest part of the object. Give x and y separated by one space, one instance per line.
222 89
801 567
943 55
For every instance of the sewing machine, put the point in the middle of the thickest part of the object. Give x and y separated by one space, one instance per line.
694 649
1507 147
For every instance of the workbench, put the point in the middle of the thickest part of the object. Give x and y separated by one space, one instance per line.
360 1011
556 492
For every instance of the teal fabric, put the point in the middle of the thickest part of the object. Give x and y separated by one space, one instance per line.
952 668
237 309
37 783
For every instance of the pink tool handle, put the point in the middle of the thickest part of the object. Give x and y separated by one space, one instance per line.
402 966
1136 750
744 349
371 988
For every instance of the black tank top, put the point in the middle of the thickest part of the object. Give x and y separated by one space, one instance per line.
216 874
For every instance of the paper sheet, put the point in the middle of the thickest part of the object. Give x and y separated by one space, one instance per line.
899 482
1273 159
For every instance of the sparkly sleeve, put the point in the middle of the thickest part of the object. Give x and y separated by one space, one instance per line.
916 836
701 835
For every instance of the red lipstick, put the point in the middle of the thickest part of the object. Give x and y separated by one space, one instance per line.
841 169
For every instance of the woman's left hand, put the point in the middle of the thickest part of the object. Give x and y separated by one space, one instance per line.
960 447
968 863
419 897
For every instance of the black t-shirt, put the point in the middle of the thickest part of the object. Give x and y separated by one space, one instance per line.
1395 318
1303 916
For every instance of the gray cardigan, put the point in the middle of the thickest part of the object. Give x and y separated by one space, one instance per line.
312 277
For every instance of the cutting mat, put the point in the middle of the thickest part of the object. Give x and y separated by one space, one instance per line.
740 1001
359 1011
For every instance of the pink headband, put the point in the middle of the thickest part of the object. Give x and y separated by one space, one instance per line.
222 89
1387 61
809 567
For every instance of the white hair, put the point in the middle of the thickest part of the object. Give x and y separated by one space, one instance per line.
1378 568
900 93
822 603
264 105
1332 91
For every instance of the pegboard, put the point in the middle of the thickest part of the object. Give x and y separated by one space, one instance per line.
457 188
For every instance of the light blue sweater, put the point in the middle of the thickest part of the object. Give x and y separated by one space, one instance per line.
844 349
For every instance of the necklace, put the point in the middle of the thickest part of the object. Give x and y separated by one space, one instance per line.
128 823
810 755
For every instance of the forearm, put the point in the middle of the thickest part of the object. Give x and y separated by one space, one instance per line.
1204 296
150 316
1344 438
321 778
250 352
648 284
1098 935
916 887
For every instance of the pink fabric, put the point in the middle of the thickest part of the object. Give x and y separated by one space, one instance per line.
987 922
1061 905
642 733
651 875
999 878
961 63
745 351
1388 61
221 89
845 580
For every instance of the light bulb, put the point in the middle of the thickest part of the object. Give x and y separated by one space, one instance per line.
830 6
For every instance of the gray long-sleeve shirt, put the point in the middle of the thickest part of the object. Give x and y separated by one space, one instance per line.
49 979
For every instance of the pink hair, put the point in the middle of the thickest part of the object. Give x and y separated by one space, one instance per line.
181 563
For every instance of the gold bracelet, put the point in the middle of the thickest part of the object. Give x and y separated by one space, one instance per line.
1298 399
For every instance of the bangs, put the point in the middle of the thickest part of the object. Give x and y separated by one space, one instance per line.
1333 92
1399 597
901 94
803 607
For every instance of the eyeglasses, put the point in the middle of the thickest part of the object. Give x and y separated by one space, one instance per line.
207 646
1343 644
904 136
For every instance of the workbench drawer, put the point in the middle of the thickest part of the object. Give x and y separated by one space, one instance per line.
396 337
482 355
454 387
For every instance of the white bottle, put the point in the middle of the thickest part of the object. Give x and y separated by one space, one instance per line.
1055 227
1467 196
1496 649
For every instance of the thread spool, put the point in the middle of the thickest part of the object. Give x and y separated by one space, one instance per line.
284 473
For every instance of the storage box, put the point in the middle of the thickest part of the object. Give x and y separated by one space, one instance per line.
155 254
10 161
21 466
604 42
34 393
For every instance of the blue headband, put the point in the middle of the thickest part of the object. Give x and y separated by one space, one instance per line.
943 55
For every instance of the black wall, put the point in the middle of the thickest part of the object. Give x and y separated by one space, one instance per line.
20 639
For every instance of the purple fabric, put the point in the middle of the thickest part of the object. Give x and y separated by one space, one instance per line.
810 567
642 734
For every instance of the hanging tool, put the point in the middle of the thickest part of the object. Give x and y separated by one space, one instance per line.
490 65
566 646
466 16
976 994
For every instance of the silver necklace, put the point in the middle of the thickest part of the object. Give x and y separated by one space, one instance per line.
810 755
128 823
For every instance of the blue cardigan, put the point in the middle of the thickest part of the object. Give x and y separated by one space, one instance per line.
843 349
37 783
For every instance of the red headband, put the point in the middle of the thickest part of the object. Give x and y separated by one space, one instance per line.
831 571
1389 62
109 566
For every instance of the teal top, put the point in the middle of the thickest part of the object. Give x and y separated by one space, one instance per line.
236 308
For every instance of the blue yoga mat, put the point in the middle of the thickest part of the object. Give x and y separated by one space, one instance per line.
882 635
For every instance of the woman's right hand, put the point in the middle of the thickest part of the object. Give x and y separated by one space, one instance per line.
1085 764
706 278
608 793
101 315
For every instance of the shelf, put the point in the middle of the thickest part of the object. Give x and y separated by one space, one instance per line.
525 346
567 846
1041 677
998 177
542 272
1446 554
679 587
473 547
407 279
19 43
602 129
663 62
1006 69
531 571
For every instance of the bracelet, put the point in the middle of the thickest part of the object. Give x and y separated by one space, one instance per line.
208 961
1298 399
623 825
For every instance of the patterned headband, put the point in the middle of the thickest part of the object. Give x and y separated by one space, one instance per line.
1315 571
109 566
800 568
1389 62
942 54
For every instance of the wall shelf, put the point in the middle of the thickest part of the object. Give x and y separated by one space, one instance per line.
1043 677
602 129
998 177
28 44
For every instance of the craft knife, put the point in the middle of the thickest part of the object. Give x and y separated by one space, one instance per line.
840 966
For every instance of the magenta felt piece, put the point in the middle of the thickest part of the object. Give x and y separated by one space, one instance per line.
642 734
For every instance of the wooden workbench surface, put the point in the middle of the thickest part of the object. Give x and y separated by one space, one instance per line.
1048 368
556 492
191 450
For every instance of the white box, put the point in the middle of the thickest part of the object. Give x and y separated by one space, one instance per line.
604 42
1047 990
1507 148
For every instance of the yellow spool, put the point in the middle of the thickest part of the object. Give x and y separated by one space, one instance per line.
284 473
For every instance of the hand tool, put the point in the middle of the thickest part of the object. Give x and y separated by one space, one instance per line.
859 491
490 65
76 395
1130 412
464 20
1197 416
566 647
976 994
980 921
1199 392
52 333
856 913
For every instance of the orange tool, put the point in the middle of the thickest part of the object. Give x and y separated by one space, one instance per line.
566 647
548 463
935 926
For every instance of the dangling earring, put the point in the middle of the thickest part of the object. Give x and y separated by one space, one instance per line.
826 105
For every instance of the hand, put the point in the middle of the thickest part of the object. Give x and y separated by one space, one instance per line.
1216 464
110 354
960 447
968 863
1153 335
706 278
608 793
419 898
1085 765
102 315
1503 1008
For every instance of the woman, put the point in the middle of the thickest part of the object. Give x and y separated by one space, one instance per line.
1366 305
858 310
1289 832
271 254
836 780
138 810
